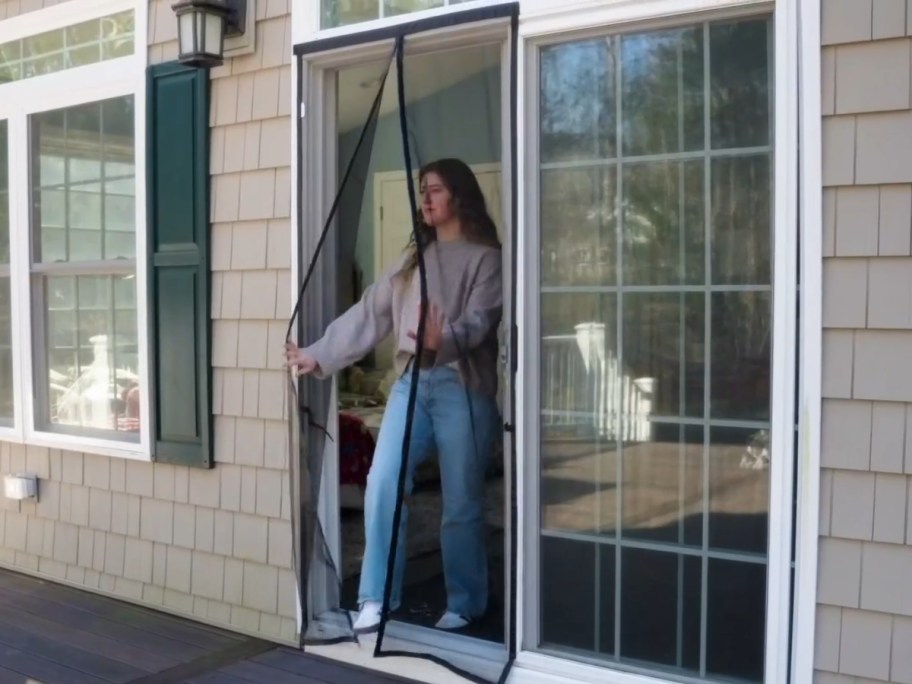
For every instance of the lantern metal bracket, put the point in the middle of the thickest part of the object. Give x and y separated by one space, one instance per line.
240 32
240 36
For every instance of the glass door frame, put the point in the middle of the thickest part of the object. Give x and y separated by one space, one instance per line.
314 180
546 28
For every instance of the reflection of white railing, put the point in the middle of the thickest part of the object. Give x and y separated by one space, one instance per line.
92 398
585 390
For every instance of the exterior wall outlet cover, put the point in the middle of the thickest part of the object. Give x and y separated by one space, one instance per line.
21 486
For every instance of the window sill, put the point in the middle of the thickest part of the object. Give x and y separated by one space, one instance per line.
539 668
87 445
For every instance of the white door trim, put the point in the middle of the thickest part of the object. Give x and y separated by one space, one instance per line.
318 184
784 359
810 387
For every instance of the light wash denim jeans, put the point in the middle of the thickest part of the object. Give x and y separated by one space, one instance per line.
442 422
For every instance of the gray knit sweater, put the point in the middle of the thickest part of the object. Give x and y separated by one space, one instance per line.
463 278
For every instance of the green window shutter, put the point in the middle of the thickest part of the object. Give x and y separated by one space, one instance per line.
177 126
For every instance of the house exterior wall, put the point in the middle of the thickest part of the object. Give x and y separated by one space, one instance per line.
214 545
864 615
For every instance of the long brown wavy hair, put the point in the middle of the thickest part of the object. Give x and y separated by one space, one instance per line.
468 204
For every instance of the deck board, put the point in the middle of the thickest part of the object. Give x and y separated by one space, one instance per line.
191 633
255 672
129 626
10 676
36 668
128 635
56 634
14 637
75 636
218 677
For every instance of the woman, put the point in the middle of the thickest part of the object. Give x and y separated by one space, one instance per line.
456 411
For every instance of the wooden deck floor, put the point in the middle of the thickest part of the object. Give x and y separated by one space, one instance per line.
54 634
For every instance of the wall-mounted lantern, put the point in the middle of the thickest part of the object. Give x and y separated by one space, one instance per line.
203 26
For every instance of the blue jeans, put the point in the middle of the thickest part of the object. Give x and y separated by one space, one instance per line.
442 422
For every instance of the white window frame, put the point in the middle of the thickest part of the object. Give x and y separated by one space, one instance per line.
306 23
545 22
18 101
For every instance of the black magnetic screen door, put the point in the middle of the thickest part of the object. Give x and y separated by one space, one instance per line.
394 117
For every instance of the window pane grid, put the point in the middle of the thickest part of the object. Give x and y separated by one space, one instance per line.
85 183
89 42
690 307
83 269
669 289
707 323
617 618
698 155
91 333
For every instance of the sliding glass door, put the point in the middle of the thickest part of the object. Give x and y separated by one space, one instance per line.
654 304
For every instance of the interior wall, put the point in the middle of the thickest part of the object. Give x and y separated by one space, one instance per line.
438 125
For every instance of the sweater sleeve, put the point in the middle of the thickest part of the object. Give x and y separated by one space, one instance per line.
482 313
356 332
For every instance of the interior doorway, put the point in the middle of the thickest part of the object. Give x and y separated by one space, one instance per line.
456 108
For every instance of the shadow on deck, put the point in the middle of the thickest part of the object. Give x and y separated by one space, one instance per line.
55 634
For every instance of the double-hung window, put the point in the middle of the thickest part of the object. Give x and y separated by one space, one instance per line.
73 360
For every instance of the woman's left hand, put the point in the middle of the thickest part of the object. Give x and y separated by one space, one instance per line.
433 327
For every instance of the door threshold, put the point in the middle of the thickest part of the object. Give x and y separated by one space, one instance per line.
484 658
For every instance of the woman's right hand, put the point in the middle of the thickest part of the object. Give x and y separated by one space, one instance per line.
301 362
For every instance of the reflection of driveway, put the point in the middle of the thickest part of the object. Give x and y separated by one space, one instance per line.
662 481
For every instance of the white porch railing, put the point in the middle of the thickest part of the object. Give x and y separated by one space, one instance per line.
585 390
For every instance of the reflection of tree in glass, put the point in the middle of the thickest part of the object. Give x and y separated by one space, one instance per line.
393 7
663 112
662 246
342 12
741 343
741 220
578 225
662 86
664 230
578 101
9 61
740 84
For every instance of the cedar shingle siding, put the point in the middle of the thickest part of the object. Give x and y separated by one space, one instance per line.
864 596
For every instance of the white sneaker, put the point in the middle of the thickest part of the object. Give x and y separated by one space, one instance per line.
451 621
368 617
